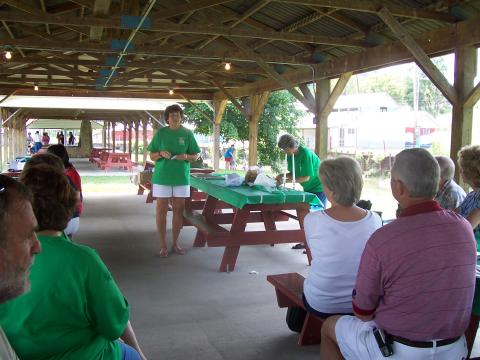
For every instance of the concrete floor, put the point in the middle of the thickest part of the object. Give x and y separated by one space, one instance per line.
182 307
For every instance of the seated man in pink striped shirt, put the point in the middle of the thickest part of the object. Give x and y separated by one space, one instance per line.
416 279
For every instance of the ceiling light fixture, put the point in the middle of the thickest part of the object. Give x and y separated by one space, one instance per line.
170 91
35 87
8 54
228 66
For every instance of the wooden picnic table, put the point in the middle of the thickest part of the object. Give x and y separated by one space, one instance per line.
249 205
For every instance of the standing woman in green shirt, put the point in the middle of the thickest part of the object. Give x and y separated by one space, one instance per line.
172 148
74 309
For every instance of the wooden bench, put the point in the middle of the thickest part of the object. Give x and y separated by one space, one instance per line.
116 160
289 290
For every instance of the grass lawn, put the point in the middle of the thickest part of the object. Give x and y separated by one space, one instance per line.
107 184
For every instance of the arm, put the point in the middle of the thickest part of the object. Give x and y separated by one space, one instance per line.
129 338
474 218
186 157
159 155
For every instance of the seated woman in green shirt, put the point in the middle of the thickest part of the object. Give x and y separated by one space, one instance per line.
74 310
172 148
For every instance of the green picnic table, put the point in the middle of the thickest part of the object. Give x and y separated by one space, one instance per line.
249 205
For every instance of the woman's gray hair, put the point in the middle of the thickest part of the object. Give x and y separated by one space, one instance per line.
447 167
418 170
287 141
343 176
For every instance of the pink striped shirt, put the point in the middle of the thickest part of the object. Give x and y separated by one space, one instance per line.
417 274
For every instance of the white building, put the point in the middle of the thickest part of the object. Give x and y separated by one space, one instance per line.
371 123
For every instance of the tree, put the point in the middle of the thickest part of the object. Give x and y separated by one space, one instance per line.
280 114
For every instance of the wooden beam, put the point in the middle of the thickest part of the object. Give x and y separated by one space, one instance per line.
231 98
108 93
473 96
322 93
438 42
257 105
192 6
373 7
166 51
307 94
115 23
335 94
208 118
252 10
277 77
420 56
100 7
462 116
218 109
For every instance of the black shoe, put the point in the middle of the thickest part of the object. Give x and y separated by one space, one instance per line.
298 246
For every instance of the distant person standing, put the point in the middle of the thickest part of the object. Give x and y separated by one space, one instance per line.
229 156
38 141
71 139
45 139
62 138
30 143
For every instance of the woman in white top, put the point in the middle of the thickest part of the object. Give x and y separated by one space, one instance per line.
337 237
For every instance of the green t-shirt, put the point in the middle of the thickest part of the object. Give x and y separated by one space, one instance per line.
179 141
74 310
307 163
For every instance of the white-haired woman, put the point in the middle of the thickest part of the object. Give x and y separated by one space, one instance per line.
337 237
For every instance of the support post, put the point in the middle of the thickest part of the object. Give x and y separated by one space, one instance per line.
130 138
462 114
136 140
219 109
113 135
124 136
104 135
145 140
321 127
255 110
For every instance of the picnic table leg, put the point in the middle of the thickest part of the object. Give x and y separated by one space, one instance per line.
208 211
301 213
231 252
311 331
269 222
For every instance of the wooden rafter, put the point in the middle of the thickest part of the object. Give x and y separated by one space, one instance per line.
473 97
373 7
104 48
335 94
274 75
115 23
420 56
231 98
436 42
208 118
252 10
100 7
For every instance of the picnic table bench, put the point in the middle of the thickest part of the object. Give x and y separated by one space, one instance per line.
249 205
110 160
289 290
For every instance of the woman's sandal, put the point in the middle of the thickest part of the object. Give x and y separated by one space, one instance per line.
163 252
178 250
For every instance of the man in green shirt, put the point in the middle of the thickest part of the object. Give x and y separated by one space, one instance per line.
172 148
307 164
18 246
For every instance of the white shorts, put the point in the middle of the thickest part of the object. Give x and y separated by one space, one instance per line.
356 342
167 191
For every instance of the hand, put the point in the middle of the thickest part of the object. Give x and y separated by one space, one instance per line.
279 178
165 154
181 157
